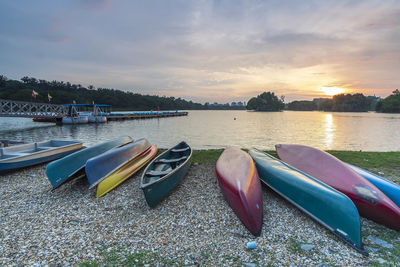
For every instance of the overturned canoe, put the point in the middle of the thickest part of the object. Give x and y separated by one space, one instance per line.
390 189
101 166
240 185
60 171
19 156
126 171
369 200
165 172
321 202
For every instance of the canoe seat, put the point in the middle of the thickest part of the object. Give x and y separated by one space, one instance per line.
157 173
176 150
171 160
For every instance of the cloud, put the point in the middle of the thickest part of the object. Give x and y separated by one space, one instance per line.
209 50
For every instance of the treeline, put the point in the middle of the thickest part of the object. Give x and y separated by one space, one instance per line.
350 103
65 92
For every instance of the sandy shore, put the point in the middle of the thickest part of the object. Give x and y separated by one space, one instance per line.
192 226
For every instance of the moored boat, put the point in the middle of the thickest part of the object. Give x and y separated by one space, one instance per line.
389 188
75 120
164 173
100 167
60 171
239 182
19 156
321 202
126 171
371 202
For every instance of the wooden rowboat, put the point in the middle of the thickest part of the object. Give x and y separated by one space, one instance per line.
164 173
62 170
126 171
390 189
100 167
240 185
19 156
321 202
371 202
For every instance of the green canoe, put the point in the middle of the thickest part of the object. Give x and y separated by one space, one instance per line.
164 173
324 204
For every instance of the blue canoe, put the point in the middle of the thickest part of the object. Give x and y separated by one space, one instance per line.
19 156
390 189
321 202
60 171
100 167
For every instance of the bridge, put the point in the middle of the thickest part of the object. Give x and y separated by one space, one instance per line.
11 108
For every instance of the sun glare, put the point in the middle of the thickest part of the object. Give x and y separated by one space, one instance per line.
332 90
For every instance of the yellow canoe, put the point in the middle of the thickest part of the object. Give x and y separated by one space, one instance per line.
125 172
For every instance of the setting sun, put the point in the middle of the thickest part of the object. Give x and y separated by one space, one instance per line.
332 90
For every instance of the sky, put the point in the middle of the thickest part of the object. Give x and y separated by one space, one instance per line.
206 51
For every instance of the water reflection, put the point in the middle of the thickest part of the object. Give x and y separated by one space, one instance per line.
216 129
329 130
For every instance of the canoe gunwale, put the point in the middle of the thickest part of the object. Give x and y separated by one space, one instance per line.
146 185
358 248
121 165
18 158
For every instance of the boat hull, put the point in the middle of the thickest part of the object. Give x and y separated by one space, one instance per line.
369 200
239 182
390 189
155 189
126 171
16 157
324 204
60 171
101 166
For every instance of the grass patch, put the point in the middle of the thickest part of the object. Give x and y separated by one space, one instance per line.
206 156
120 257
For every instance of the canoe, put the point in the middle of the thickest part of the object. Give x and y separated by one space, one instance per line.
19 156
165 172
389 188
369 200
126 171
321 202
62 170
239 182
101 166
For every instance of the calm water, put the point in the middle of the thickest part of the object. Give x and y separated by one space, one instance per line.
216 129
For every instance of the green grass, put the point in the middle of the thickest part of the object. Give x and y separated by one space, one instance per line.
120 257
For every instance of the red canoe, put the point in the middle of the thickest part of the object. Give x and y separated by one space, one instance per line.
369 200
240 184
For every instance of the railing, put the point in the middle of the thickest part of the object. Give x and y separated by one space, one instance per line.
11 108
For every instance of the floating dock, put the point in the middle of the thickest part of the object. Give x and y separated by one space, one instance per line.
144 115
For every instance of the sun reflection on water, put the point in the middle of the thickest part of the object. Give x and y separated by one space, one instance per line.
329 130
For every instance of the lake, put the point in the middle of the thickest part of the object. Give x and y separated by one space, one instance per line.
217 129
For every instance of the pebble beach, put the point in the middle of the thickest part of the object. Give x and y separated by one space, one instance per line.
194 226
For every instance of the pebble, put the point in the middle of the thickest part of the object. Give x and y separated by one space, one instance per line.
307 247
380 242
193 226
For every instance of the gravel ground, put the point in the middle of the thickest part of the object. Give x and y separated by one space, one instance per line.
194 225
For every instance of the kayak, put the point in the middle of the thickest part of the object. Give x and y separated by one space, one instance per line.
389 188
321 202
100 167
239 182
125 172
371 202
165 172
62 170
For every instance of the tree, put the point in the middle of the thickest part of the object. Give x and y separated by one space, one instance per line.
266 101
390 104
